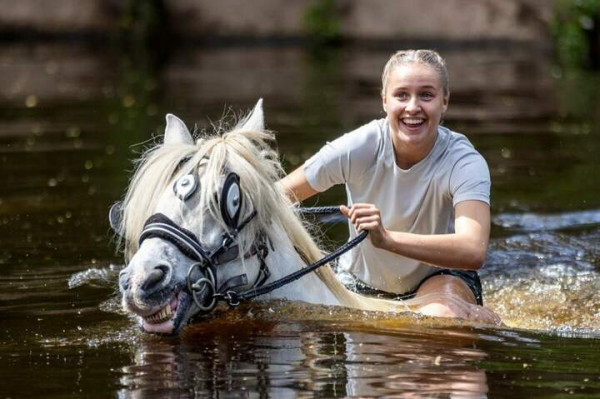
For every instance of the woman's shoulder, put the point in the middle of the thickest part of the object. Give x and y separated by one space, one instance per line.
347 158
462 158
370 132
366 141
457 144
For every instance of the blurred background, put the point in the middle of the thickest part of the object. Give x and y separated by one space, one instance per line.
85 85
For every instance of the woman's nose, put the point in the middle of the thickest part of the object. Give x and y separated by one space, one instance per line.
413 105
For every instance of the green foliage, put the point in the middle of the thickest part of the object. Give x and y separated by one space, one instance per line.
143 22
322 21
575 30
143 42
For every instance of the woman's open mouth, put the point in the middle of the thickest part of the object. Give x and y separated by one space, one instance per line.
413 123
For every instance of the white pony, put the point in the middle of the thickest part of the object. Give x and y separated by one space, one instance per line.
204 218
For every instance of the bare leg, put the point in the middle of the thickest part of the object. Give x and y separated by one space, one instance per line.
449 296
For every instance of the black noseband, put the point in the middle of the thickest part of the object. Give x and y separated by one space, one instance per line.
160 226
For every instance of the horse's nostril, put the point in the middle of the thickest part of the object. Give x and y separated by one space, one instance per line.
155 278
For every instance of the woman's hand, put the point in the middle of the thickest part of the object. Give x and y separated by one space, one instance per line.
367 217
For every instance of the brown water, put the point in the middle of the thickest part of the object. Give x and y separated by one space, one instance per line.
70 115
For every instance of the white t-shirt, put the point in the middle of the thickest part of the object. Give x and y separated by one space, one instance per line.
418 200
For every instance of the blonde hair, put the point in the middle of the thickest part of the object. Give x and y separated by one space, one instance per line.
426 57
249 154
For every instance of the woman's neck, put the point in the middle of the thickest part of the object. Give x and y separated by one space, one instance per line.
407 155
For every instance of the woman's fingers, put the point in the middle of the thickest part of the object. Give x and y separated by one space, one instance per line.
360 210
367 219
345 211
371 226
363 216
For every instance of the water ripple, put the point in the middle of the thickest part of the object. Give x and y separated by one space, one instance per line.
536 222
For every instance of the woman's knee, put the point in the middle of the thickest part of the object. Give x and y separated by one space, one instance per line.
449 286
438 309
453 307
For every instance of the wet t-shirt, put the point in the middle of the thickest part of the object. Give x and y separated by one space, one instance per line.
418 200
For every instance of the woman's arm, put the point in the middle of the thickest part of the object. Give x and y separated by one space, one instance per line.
296 187
464 249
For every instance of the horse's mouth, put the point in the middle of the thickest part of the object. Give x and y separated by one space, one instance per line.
169 318
164 314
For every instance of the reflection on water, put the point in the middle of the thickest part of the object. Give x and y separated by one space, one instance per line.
70 115
261 350
282 358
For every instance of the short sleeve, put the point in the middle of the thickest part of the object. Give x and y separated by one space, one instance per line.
345 159
470 179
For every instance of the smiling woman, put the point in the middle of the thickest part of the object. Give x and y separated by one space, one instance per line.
421 190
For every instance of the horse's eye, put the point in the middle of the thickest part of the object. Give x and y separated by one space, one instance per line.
185 186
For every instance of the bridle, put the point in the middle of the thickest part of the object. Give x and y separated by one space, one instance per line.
207 261
160 226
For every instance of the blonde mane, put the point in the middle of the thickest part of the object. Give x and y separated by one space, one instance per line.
249 154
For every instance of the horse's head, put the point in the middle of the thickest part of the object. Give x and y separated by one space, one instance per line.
194 221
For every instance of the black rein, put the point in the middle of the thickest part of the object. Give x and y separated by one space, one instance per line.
265 289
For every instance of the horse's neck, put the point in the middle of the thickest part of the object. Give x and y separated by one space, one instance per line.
283 261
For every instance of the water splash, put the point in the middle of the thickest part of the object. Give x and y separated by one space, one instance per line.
97 278
551 297
547 279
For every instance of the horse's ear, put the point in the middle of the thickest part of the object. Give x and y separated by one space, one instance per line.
176 132
256 119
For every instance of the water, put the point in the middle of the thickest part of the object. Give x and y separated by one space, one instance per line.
71 118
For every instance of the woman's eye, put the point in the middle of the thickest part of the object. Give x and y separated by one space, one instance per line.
401 96
427 96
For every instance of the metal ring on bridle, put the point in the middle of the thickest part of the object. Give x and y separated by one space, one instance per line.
232 298
200 285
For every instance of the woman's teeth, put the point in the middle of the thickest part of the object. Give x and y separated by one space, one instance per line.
413 122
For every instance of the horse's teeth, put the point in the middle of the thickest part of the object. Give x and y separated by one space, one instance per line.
161 316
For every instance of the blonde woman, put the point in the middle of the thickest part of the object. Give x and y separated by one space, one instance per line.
421 190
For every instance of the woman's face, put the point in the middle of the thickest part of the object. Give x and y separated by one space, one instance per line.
414 102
